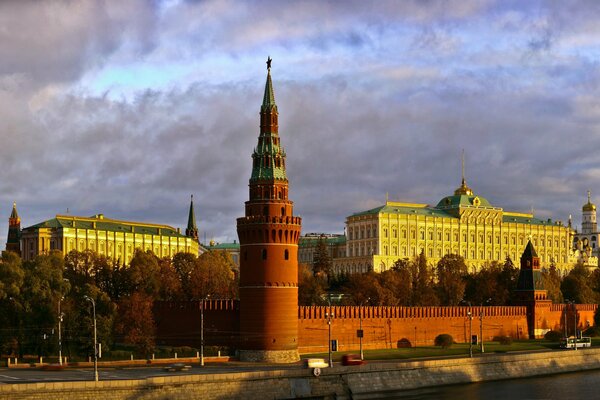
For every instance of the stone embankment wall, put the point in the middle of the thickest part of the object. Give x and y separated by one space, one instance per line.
338 382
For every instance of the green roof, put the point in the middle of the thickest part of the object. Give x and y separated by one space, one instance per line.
224 246
102 224
463 200
394 209
331 240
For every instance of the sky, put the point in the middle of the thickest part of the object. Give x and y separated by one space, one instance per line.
128 108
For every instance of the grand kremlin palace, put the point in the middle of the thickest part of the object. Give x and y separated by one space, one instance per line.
118 240
463 224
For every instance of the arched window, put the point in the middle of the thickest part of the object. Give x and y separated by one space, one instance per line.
264 254
286 254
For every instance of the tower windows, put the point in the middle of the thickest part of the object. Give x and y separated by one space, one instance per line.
286 254
264 254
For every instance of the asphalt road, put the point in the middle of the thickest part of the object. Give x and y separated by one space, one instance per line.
31 375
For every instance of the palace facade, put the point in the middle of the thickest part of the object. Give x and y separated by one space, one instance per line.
115 239
463 223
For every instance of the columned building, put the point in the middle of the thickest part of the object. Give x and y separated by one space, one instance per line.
463 223
269 234
115 239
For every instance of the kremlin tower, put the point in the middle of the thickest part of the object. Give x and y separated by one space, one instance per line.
268 236
192 229
13 240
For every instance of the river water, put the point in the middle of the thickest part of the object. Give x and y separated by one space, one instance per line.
576 385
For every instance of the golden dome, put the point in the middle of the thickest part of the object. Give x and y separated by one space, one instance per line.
463 189
589 206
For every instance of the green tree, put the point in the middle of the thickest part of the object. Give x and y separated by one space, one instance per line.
551 279
311 288
423 293
322 260
184 263
576 286
451 273
144 274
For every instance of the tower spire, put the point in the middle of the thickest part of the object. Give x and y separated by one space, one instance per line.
268 286
13 240
192 229
463 189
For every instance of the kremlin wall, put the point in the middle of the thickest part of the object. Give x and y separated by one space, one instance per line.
178 324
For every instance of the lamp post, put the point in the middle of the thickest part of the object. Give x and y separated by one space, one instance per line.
329 330
95 338
566 330
360 337
470 316
481 323
202 330
60 318
575 322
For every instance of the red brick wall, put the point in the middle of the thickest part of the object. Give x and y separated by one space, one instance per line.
178 324
384 326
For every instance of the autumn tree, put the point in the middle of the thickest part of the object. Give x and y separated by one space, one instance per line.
184 263
213 276
423 292
135 322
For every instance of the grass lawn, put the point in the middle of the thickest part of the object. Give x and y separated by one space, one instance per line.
454 350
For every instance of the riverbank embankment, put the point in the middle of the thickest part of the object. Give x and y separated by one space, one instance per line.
339 382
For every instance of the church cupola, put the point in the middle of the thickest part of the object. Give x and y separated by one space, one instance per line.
192 229
588 217
13 242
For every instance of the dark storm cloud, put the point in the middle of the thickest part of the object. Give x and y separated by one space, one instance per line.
374 98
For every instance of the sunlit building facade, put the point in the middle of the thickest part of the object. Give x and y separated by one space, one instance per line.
464 224
115 239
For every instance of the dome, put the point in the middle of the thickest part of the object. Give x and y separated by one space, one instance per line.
589 206
463 189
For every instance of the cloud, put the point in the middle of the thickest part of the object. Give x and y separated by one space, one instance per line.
127 109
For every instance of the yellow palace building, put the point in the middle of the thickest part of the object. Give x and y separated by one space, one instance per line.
464 224
118 240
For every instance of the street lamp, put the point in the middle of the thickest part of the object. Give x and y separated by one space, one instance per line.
202 330
88 298
566 330
329 315
575 322
481 322
361 334
60 318
470 316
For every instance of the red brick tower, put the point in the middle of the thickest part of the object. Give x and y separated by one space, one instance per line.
13 241
269 236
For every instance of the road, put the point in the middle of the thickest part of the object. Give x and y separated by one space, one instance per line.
31 375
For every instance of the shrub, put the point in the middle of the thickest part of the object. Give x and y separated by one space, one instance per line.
404 343
503 339
444 340
553 336
592 331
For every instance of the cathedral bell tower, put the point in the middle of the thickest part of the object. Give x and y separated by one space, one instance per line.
268 234
588 217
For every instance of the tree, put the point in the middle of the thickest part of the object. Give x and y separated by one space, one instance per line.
451 272
184 263
552 281
311 288
144 273
213 276
322 260
576 286
136 322
424 292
